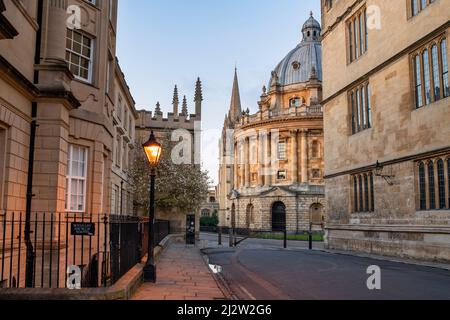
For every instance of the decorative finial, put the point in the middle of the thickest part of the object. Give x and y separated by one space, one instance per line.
158 109
175 100
184 110
264 90
198 91
311 14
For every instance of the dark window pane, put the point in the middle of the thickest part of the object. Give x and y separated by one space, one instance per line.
441 184
352 98
355 193
372 194
369 107
361 198
366 189
431 186
422 186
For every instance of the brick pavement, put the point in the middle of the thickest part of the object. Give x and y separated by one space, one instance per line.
182 274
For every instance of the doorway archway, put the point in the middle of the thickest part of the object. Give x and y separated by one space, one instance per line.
278 216
317 214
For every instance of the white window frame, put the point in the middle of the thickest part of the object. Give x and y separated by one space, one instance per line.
282 152
70 178
91 57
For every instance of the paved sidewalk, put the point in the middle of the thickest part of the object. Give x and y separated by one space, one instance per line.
182 274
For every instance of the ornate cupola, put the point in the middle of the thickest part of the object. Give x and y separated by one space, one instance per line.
311 29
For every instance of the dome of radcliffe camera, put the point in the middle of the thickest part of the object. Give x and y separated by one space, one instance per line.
305 60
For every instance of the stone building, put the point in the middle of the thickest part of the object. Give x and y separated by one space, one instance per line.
210 207
180 126
60 107
271 168
386 120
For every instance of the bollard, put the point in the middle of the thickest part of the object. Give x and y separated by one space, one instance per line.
220 236
310 241
230 233
285 238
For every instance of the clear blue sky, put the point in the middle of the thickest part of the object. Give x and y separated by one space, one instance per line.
161 43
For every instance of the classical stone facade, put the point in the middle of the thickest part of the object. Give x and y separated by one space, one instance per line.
211 206
60 112
271 170
179 125
386 121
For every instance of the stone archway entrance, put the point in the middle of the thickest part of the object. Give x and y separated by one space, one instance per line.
278 216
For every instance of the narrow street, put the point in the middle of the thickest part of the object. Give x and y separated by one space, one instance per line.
261 269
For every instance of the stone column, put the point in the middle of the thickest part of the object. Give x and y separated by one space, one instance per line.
247 161
242 161
268 173
304 155
294 156
54 72
260 160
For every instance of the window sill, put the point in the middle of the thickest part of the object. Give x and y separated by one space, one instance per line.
431 104
357 59
361 132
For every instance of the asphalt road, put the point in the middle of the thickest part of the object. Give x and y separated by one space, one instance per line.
261 270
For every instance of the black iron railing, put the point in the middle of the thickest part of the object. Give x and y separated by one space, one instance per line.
103 247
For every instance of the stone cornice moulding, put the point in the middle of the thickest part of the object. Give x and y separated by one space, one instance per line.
283 120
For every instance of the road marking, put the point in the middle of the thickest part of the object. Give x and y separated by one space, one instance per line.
247 293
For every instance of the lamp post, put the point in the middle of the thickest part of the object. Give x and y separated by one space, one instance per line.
153 151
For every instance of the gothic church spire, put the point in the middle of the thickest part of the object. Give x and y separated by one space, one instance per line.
235 105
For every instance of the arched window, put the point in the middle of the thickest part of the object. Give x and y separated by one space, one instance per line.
352 101
350 37
355 194
295 102
422 187
366 192
363 108
441 183
360 111
426 76
250 215
445 81
435 69
369 107
431 186
418 81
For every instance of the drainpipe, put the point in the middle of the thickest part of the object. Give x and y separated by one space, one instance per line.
33 127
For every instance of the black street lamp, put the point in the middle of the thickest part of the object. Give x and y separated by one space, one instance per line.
153 151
